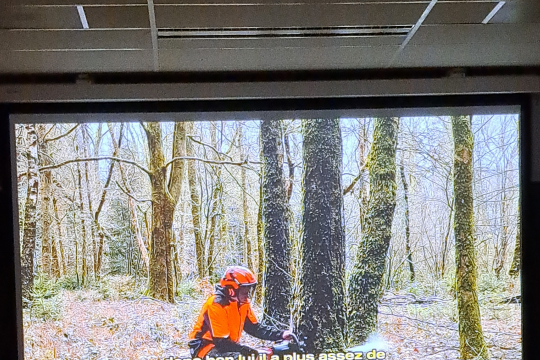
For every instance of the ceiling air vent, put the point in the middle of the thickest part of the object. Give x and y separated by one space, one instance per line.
283 32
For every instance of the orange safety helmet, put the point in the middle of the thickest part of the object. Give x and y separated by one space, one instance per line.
236 276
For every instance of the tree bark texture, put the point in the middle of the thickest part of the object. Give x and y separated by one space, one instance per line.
365 282
49 260
29 229
260 245
323 319
277 274
471 339
59 238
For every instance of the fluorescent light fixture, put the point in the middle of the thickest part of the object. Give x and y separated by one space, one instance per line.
82 16
493 12
290 32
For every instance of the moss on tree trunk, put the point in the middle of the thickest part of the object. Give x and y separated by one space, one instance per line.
323 268
277 246
471 339
366 277
515 268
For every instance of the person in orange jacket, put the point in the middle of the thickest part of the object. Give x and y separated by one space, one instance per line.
226 314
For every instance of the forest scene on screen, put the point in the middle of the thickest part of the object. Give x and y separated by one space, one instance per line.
322 239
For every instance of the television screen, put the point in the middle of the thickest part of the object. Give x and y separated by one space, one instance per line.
154 236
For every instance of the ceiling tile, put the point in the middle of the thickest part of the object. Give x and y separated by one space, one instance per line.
463 55
105 17
524 11
74 39
75 61
477 34
287 16
459 13
25 17
276 59
73 2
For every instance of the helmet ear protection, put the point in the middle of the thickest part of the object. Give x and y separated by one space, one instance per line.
231 292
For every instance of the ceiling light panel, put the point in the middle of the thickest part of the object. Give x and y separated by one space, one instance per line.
287 16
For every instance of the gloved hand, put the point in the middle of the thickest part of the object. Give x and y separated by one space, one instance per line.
265 350
287 335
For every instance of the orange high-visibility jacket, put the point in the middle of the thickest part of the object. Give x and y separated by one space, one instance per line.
220 325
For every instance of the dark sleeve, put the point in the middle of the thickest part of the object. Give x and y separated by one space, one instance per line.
262 331
227 345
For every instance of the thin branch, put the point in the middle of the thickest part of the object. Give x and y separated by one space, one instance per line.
351 185
131 196
98 158
62 135
216 162
192 138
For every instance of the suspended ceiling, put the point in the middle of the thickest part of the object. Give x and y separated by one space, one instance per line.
89 36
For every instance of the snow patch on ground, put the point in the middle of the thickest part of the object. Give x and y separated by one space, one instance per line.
374 341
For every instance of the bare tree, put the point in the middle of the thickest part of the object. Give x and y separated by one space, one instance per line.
165 195
407 226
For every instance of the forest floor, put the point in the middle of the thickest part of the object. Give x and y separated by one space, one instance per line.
99 324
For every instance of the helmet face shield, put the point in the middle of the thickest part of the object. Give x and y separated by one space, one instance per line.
244 293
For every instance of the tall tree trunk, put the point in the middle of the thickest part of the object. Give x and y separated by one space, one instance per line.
215 204
365 281
93 228
47 266
29 226
164 198
471 339
502 246
515 268
62 259
290 165
446 240
323 319
195 203
412 274
245 208
84 271
277 274
260 245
